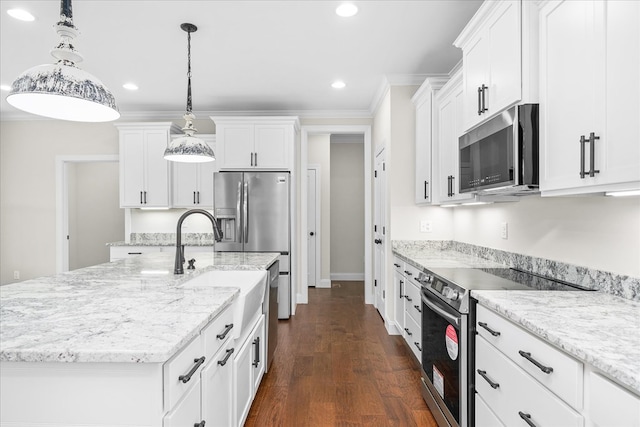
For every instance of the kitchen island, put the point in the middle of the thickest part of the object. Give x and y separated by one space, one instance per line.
125 325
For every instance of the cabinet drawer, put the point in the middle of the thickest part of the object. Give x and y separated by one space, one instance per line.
485 416
566 377
122 252
398 265
413 336
410 272
217 332
412 301
515 394
611 405
187 412
182 364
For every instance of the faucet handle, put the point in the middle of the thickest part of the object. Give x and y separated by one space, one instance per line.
191 266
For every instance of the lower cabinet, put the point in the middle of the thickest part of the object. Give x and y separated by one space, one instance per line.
217 389
249 367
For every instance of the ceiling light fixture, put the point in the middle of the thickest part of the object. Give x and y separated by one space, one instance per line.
346 10
338 84
21 15
62 90
188 148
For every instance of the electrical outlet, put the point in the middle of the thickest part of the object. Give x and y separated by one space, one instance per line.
425 226
16 274
504 230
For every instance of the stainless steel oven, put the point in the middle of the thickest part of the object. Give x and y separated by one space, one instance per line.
448 333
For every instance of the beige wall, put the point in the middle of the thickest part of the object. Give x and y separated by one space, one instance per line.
319 153
28 150
347 210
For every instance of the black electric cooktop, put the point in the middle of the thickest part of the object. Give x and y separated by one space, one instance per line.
533 281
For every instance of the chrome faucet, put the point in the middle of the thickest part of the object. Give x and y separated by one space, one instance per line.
217 232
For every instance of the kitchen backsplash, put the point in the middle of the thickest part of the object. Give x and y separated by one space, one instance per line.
616 284
167 239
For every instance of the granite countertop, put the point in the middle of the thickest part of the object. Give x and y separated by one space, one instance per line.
131 310
594 327
438 258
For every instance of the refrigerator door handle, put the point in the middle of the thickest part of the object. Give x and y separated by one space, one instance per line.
238 237
245 218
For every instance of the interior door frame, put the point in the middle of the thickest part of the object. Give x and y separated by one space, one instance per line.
318 231
62 202
365 130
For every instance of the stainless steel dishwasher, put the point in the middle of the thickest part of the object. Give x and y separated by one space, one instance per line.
270 310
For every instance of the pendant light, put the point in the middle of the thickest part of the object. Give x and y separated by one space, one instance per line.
188 148
62 90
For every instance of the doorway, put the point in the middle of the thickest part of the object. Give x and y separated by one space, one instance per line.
313 225
88 213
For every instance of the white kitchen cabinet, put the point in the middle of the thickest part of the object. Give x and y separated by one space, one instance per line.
589 90
193 182
412 318
498 53
145 179
449 105
424 103
249 367
187 412
398 293
610 405
485 416
255 142
217 388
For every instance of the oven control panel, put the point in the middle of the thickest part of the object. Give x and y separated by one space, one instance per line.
450 293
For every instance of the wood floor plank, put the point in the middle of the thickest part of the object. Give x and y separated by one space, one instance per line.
336 365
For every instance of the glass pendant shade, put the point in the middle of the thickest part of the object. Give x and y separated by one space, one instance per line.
188 148
62 90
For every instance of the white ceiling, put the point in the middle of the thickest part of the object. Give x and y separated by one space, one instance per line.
257 56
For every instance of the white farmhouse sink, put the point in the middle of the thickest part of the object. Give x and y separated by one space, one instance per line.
252 286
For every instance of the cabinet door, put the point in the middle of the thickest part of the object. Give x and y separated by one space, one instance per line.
187 411
485 416
569 105
271 149
217 390
205 183
476 64
185 184
258 359
423 151
131 168
156 169
243 381
235 145
398 300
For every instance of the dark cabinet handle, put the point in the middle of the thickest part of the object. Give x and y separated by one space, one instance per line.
417 307
256 159
226 357
407 298
200 424
198 197
483 374
185 378
256 359
453 191
408 331
396 265
491 331
141 197
224 333
426 196
592 154
408 273
483 88
417 344
251 159
545 369
583 141
134 253
194 197
479 102
145 197
401 286
526 418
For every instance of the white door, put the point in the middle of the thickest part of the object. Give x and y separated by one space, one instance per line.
312 226
379 221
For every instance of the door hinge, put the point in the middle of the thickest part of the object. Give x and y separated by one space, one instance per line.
383 230
375 282
383 295
375 228
375 174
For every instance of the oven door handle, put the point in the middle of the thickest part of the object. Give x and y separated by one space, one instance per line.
449 317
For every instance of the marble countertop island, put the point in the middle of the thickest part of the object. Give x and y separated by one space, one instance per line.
599 329
132 310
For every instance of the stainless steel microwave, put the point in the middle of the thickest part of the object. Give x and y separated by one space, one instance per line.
501 155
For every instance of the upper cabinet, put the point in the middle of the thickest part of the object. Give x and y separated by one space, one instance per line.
255 142
145 179
448 110
499 50
193 182
424 102
589 96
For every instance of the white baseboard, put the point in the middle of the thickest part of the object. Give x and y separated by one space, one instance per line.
347 276
324 283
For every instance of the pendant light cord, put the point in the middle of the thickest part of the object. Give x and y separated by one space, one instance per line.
189 109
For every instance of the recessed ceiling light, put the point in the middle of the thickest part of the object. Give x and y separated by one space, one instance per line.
339 84
346 10
5 87
21 14
130 86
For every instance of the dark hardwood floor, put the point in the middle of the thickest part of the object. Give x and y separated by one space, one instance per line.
335 365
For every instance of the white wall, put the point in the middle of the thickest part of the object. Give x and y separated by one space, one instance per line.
319 153
347 210
598 232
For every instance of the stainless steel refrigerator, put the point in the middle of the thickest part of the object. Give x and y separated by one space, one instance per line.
253 209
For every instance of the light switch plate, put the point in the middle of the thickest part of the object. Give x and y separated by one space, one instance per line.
504 230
